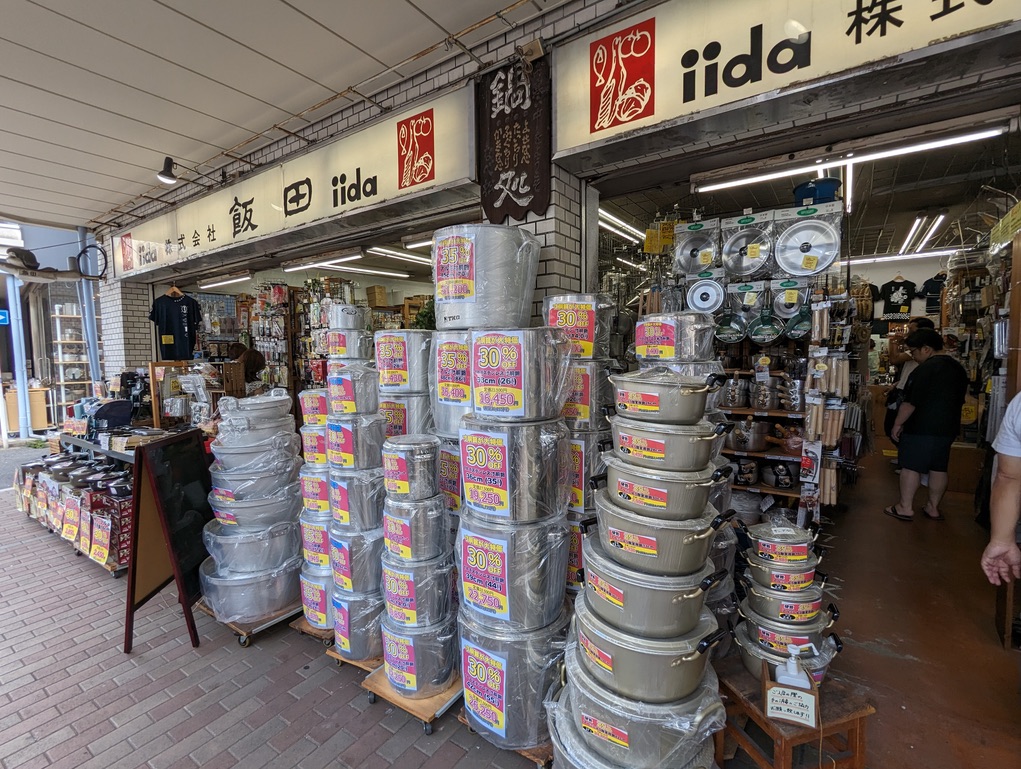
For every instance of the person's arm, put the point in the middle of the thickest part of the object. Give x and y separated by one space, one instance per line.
1001 560
903 415
898 351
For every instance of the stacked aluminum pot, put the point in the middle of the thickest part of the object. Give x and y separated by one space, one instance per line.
783 607
586 319
254 541
639 691
342 522
419 629
403 363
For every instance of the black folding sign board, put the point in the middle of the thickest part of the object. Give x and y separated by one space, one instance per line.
515 105
171 506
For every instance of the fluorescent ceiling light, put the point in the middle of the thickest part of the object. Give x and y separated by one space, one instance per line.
848 187
320 261
930 232
404 256
901 257
225 280
919 220
619 233
419 244
629 263
366 271
620 223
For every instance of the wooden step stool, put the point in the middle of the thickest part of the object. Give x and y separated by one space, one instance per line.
843 710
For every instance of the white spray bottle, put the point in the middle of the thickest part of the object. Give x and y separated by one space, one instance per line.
791 673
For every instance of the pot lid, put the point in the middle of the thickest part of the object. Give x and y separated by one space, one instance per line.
783 307
308 470
702 368
668 476
599 631
809 661
697 430
822 621
594 555
746 251
808 594
644 522
781 531
807 247
658 375
706 296
419 443
271 401
797 567
695 251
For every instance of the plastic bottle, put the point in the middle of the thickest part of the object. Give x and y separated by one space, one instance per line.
791 673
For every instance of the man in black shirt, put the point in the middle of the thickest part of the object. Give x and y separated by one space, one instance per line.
927 423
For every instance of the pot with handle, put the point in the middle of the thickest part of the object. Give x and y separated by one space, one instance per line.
678 336
659 493
777 635
782 576
752 655
659 395
780 541
792 607
680 448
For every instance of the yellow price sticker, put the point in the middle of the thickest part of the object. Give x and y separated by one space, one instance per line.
765 360
821 367
809 261
790 296
754 251
750 297
705 257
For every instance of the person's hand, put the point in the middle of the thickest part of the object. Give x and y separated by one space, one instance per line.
1001 562
895 433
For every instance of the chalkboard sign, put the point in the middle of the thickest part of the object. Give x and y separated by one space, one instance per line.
171 507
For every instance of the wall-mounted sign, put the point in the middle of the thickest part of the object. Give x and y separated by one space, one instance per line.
406 154
515 140
683 57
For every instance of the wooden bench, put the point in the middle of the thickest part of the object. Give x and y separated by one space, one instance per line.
843 710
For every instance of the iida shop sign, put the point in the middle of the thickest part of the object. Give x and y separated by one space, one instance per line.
685 57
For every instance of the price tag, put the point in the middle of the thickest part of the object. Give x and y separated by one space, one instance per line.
705 257
766 502
762 369
750 297
790 296
809 261
754 251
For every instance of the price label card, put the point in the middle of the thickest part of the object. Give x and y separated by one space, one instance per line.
754 251
705 257
791 296
498 374
809 261
453 386
578 320
484 471
455 269
795 706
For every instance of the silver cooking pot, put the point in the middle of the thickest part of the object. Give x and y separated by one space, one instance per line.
402 359
343 344
650 670
782 576
410 467
417 594
354 559
653 545
354 441
586 318
356 499
678 336
701 369
348 316
777 635
589 395
735 394
514 573
660 395
356 618
636 734
780 541
587 463
405 413
420 662
660 493
450 380
782 605
748 435
764 398
752 655
680 448
352 390
515 471
519 373
416 531
647 605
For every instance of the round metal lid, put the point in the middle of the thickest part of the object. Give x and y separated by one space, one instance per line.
807 247
784 308
747 251
695 251
706 296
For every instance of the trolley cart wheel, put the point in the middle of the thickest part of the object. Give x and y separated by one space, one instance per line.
371 696
77 553
244 641
328 642
115 574
427 727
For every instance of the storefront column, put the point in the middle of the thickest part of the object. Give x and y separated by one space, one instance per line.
126 330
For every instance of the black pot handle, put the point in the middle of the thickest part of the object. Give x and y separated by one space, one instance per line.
711 640
594 481
588 523
834 612
723 428
713 579
715 379
821 577
608 410
722 472
604 444
722 518
838 642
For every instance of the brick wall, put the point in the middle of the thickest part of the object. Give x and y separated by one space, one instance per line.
127 332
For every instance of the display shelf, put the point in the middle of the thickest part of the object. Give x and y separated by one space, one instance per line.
756 413
763 488
745 372
763 455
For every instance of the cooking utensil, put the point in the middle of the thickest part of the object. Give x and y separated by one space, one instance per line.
659 493
402 360
705 296
807 247
250 597
519 374
410 467
765 329
585 318
747 252
752 655
731 328
782 576
659 395
355 558
783 605
777 635
780 542
589 395
251 550
417 594
419 662
695 251
677 336
450 380
357 618
416 531
680 448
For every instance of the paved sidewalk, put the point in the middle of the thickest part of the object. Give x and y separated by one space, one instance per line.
71 699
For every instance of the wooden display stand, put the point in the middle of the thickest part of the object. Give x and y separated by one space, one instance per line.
369 665
303 626
425 710
541 755
842 713
245 630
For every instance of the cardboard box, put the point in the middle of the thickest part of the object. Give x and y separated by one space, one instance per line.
378 296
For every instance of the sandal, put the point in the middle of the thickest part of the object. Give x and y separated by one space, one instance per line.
892 512
937 517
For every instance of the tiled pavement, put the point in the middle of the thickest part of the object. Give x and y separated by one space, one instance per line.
71 699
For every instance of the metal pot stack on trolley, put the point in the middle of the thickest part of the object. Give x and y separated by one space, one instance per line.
419 626
254 542
639 690
403 363
587 320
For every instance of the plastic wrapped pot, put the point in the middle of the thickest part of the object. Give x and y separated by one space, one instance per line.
259 478
250 597
251 550
420 662
585 318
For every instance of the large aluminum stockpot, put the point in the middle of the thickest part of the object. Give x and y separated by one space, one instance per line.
777 635
653 545
515 471
661 493
315 488
355 441
274 404
314 406
352 390
356 618
313 444
646 669
347 316
354 559
519 373
641 735
678 336
255 480
449 469
252 596
316 589
315 537
450 386
647 605
749 435
349 344
417 593
701 369
484 275
589 395
780 541
587 319
240 431
416 531
783 605
752 655
402 359
251 550
411 467
405 413
782 576
587 463
282 505
510 716
420 662
356 499
681 448
657 394
513 573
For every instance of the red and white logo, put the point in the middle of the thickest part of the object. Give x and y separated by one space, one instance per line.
622 79
127 252
416 161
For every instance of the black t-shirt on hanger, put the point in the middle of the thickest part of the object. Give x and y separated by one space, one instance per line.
177 320
897 296
932 290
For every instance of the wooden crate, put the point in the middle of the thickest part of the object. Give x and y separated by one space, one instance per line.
234 379
377 296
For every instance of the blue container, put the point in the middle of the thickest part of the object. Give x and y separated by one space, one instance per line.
819 190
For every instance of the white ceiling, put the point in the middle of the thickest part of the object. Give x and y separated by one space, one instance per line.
96 93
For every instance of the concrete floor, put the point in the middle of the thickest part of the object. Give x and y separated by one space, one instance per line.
916 620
